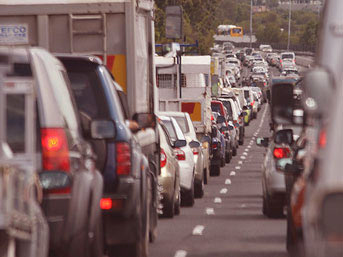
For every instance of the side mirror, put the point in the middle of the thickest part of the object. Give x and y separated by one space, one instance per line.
284 136
180 143
220 119
262 141
102 129
145 120
194 144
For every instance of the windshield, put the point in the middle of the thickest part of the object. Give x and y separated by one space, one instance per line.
287 56
182 123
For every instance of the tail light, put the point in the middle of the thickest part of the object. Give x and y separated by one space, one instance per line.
281 152
163 160
196 151
252 104
180 155
55 149
55 153
214 145
322 139
123 158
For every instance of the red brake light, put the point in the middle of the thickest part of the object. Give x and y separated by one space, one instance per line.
106 203
280 153
123 159
214 145
163 160
322 139
195 150
55 149
180 155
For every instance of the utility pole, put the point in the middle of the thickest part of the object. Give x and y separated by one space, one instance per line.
289 24
250 23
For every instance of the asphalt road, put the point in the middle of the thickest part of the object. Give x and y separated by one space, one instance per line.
228 220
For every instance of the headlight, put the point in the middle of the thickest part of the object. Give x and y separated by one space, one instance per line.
331 218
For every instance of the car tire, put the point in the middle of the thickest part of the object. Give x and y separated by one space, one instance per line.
205 177
187 198
177 207
199 188
273 209
227 157
234 151
222 162
215 171
168 209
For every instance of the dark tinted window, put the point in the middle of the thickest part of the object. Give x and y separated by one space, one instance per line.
15 123
227 104
216 108
88 93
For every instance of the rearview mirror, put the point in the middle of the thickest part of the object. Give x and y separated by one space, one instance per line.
180 143
194 144
262 141
102 129
145 120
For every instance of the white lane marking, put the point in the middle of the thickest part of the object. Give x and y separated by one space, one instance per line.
223 191
240 162
243 205
227 181
245 153
246 150
232 173
238 167
197 231
249 146
243 157
217 200
180 253
209 211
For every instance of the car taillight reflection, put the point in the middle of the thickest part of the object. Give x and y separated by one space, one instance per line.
55 153
180 155
163 158
123 158
281 152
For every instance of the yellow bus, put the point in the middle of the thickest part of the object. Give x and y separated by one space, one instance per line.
236 32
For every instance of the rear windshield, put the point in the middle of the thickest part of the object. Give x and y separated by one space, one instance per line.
287 56
170 129
227 104
88 94
246 94
182 123
216 108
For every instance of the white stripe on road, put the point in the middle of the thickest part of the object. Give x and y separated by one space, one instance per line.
197 231
232 173
180 253
240 162
237 167
217 200
223 191
243 157
209 211
249 146
227 181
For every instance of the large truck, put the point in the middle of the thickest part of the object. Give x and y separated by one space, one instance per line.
185 86
121 33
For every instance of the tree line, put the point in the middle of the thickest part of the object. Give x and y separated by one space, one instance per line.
202 17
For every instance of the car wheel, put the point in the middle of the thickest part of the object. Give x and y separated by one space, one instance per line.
227 157
199 189
234 151
222 162
215 171
187 199
274 209
168 209
177 206
241 142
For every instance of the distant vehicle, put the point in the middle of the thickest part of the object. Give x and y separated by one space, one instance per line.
232 30
266 48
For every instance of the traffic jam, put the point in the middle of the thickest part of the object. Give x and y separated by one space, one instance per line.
114 146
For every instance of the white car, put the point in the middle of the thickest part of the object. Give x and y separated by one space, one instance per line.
201 154
185 158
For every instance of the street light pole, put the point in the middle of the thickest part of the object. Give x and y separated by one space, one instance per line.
250 23
289 24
